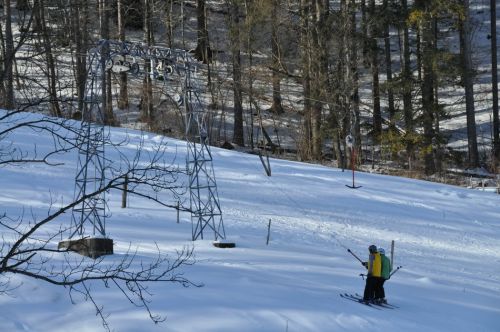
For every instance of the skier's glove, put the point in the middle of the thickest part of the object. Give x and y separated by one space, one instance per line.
365 264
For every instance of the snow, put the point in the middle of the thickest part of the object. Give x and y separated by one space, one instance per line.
447 240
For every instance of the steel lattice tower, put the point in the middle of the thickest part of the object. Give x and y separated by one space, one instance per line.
204 198
127 57
90 177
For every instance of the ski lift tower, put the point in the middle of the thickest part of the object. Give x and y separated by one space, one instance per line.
206 212
89 215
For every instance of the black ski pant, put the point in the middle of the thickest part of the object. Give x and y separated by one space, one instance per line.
379 288
370 287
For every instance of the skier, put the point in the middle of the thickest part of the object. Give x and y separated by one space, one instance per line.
385 275
374 266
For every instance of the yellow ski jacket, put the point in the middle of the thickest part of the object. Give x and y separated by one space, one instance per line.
375 265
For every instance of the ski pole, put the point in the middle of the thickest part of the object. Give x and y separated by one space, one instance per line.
349 250
396 270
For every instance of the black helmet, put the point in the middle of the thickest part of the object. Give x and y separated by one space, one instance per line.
372 248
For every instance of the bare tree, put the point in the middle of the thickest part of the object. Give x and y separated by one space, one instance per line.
147 111
353 75
234 27
426 52
387 7
29 251
344 82
494 80
123 98
104 13
202 51
364 31
304 149
22 5
60 130
320 34
377 113
170 22
46 41
29 247
7 95
407 82
314 28
276 63
467 77
80 16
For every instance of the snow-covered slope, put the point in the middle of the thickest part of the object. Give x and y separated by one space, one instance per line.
447 240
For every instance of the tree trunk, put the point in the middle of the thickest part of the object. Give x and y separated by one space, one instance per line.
407 82
80 19
427 85
355 75
238 136
249 49
467 77
364 31
304 149
169 22
147 112
388 68
377 114
22 5
276 107
202 51
107 98
123 95
2 63
8 82
352 76
438 155
494 80
55 110
419 54
319 66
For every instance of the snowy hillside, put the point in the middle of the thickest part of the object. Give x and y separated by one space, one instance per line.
447 240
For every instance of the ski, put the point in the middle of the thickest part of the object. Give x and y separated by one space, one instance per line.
386 305
348 297
358 298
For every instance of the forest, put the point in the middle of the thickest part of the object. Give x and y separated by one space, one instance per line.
407 86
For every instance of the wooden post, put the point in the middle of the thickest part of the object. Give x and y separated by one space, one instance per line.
178 206
124 193
392 253
268 232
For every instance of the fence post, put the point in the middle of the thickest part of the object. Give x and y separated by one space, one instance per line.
178 207
392 253
124 192
268 232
